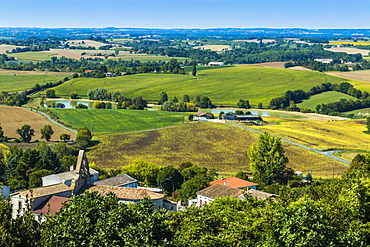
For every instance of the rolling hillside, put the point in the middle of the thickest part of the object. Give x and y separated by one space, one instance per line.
224 85
213 145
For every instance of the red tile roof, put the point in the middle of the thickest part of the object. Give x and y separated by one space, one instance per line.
54 204
234 182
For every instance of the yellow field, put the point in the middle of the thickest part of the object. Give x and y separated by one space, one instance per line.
349 42
4 48
349 50
345 134
214 47
85 43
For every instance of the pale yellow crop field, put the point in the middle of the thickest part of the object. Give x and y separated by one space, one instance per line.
214 47
345 134
85 43
349 50
4 48
349 43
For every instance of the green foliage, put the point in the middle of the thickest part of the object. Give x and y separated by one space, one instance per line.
35 178
26 133
243 104
23 230
146 173
47 132
368 125
163 98
2 137
194 69
242 175
65 137
94 220
83 138
50 93
268 161
164 177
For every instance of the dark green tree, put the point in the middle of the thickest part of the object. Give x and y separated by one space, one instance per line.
368 125
163 98
166 173
83 138
26 133
2 137
65 137
194 69
268 160
186 98
47 132
50 93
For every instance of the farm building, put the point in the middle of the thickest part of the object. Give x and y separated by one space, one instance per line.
324 60
217 190
232 116
216 64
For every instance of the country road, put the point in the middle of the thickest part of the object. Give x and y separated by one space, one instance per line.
326 153
51 120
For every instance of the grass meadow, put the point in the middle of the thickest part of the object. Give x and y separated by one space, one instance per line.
213 145
11 83
320 135
102 122
324 98
223 85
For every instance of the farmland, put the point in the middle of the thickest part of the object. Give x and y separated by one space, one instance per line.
349 50
349 43
348 134
213 145
323 98
4 48
362 77
23 81
214 47
13 118
114 121
34 55
223 85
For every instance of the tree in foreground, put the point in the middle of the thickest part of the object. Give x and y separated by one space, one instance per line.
95 220
47 132
26 133
2 137
368 125
268 160
83 138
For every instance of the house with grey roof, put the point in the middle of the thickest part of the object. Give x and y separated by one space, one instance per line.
123 180
217 190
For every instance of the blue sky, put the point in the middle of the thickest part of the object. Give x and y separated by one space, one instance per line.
186 13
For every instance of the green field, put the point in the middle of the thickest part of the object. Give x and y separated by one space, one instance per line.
116 121
325 97
213 145
223 85
33 55
365 112
10 83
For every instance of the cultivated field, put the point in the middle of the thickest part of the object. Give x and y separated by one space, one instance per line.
4 48
359 75
85 43
255 40
214 47
349 43
26 80
13 118
325 97
223 85
349 50
102 122
346 134
34 55
213 145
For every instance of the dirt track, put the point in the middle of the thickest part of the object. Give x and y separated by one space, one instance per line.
13 118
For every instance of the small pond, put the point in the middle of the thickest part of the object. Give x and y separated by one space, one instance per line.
68 104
